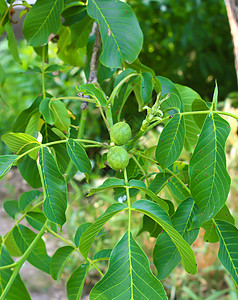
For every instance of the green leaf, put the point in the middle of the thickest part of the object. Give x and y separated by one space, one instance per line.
24 117
36 219
11 208
12 44
58 261
102 254
80 230
166 255
209 179
42 20
46 111
159 182
3 76
78 156
108 184
91 232
17 290
6 162
33 126
27 198
61 116
38 257
121 35
93 91
228 254
215 96
146 87
19 143
29 171
154 211
191 128
76 282
129 275
54 187
171 141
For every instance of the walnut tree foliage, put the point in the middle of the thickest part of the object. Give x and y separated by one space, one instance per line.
104 39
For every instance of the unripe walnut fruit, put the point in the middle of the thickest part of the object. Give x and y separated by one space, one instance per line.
120 133
117 158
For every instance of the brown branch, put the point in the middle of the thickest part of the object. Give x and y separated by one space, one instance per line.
92 78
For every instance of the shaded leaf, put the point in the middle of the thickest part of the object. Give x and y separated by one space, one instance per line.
11 208
96 93
146 87
102 254
80 230
29 171
12 44
46 111
108 184
27 198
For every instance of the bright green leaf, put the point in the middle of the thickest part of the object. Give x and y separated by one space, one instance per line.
47 111
129 275
93 91
102 254
61 116
6 162
146 87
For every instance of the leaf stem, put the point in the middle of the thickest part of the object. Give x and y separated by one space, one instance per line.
75 98
22 260
129 228
96 267
43 72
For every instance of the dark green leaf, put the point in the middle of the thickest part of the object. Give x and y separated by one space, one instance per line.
108 184
166 255
171 141
27 198
36 219
6 162
200 105
146 87
54 188
25 115
76 282
79 156
129 275
121 35
29 171
209 179
38 257
42 20
58 261
80 230
11 245
191 128
155 212
151 226
11 208
91 232
228 254
17 290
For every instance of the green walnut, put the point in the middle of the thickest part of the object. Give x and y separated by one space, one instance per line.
120 133
117 158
